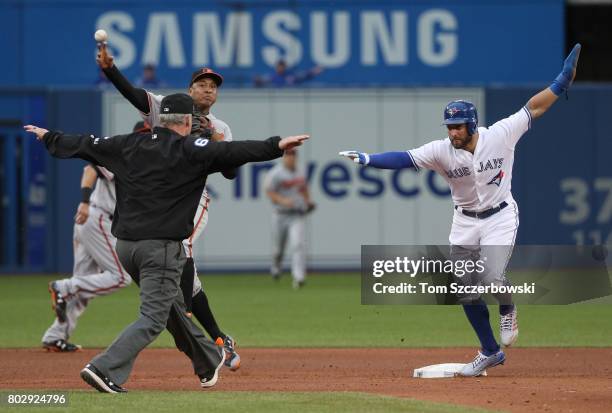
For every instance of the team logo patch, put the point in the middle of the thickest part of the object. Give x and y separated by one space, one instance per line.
497 179
451 111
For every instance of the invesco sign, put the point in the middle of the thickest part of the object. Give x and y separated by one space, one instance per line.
339 180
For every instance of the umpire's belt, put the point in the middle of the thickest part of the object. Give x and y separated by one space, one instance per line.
483 214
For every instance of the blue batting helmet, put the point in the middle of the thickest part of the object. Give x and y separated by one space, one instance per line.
459 112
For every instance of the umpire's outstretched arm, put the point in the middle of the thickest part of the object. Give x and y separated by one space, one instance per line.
223 155
98 150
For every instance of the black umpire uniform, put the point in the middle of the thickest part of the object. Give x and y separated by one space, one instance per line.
159 176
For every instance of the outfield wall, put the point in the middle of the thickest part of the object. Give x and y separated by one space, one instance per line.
355 206
563 176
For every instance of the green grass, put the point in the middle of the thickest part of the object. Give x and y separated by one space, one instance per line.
253 402
327 312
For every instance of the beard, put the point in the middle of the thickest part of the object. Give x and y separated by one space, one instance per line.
461 143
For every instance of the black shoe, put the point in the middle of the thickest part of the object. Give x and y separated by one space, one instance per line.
61 346
210 380
92 376
58 303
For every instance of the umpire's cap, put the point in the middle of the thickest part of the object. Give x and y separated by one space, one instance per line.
206 72
178 103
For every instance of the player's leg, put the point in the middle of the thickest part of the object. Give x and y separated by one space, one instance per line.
97 270
297 245
499 236
97 240
200 307
474 307
279 239
465 241
56 336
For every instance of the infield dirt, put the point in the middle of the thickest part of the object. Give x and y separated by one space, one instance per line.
532 380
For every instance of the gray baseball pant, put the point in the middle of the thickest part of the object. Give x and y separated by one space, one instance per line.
156 266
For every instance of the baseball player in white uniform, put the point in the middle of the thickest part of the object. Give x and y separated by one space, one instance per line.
97 270
286 187
477 164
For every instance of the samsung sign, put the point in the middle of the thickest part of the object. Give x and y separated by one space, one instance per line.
230 40
364 43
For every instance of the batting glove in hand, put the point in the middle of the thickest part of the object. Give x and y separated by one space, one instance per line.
357 157
566 77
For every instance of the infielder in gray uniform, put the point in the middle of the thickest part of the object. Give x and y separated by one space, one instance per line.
97 270
203 89
286 187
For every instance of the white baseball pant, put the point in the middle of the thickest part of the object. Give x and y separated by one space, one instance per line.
199 223
492 237
97 271
291 226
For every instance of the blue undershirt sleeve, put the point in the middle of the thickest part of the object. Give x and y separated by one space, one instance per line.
391 160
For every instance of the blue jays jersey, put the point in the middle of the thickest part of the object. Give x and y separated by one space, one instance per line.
480 180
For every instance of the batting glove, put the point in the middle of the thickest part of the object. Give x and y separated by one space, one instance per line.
565 78
357 157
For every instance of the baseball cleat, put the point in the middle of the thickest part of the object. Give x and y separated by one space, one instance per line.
508 328
298 284
481 363
92 376
209 381
232 358
58 303
61 346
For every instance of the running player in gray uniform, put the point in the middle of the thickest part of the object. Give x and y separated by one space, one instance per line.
286 187
97 270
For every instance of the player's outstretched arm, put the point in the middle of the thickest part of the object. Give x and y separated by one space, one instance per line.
136 96
542 101
385 160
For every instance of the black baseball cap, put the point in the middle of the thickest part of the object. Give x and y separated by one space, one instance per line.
206 72
177 103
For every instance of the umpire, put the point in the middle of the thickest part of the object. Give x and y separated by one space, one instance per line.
159 177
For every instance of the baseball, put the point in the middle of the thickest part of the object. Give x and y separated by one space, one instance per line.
100 35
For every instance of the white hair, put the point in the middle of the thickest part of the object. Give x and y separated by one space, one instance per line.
167 119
